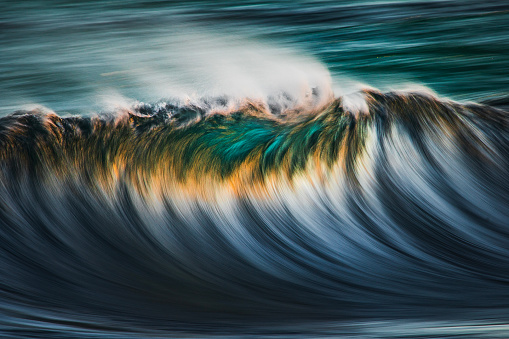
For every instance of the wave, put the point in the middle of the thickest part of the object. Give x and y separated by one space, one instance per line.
395 207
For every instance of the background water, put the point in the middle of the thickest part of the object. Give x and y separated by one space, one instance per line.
75 56
83 57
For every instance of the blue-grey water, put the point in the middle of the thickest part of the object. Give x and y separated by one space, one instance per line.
274 169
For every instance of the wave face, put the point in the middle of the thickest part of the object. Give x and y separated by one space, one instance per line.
163 215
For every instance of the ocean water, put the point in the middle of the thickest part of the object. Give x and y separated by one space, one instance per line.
282 169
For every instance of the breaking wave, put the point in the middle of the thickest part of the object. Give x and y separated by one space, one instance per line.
166 213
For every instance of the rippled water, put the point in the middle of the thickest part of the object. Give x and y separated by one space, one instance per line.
266 169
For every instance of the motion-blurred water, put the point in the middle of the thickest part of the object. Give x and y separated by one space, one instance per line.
223 190
72 56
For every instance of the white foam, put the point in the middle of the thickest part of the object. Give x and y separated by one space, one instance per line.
191 64
356 104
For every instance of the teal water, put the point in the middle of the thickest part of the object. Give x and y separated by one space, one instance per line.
75 56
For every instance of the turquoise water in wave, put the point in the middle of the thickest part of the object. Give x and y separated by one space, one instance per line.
84 56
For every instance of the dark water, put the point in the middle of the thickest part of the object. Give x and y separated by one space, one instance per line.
283 169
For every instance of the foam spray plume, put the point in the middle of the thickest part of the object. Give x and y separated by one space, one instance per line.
170 214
